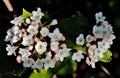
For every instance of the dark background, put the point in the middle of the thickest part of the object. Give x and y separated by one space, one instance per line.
64 9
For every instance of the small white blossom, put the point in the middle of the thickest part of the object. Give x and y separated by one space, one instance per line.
77 56
38 64
106 31
62 54
91 49
98 31
27 40
56 35
93 61
28 62
99 52
32 29
104 44
54 46
80 39
37 15
17 21
99 17
109 38
44 31
89 38
11 50
49 63
24 52
41 47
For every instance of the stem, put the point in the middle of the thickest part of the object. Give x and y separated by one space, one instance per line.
106 71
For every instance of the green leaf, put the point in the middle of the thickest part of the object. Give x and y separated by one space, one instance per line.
74 25
107 56
26 14
42 74
69 68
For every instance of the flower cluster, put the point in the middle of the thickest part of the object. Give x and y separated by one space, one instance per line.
33 44
96 44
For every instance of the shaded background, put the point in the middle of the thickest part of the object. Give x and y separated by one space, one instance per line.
64 10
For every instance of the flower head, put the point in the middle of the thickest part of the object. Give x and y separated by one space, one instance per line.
77 56
11 50
41 47
80 39
56 35
99 17
17 21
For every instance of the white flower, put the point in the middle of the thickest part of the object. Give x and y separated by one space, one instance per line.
17 21
54 46
8 38
56 35
80 39
32 29
106 31
99 52
24 52
49 63
89 38
54 22
109 38
38 64
27 40
11 50
28 62
37 15
99 17
91 49
93 61
14 39
77 56
44 31
15 29
104 44
98 31
41 47
62 53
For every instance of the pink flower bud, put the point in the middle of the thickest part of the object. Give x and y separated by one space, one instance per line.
94 38
36 39
19 59
63 38
30 48
63 45
88 44
49 54
27 21
56 51
23 30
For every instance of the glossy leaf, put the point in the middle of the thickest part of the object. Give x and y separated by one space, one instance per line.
107 56
26 14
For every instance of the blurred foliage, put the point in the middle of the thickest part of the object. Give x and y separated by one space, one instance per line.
74 17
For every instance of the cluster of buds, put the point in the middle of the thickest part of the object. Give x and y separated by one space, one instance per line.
33 44
96 44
